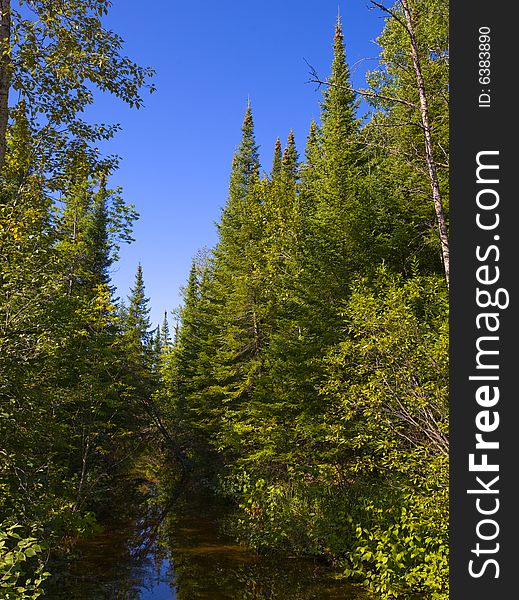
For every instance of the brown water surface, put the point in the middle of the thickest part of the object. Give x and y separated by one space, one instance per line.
156 548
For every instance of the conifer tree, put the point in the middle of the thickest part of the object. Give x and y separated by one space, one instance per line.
137 321
280 217
310 172
204 406
246 165
276 162
156 349
142 372
329 204
99 236
340 156
338 107
165 336
238 285
236 253
186 351
289 162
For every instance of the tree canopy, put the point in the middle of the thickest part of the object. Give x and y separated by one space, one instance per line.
306 377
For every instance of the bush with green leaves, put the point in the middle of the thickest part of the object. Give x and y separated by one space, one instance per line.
21 564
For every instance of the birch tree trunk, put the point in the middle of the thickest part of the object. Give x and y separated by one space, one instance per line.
429 155
5 73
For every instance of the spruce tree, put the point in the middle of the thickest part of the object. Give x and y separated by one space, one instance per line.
276 162
336 197
246 165
156 348
187 347
137 321
279 213
289 162
140 360
238 286
330 200
310 169
338 107
165 336
99 236
32 319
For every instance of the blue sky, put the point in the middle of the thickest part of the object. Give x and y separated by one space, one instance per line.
177 151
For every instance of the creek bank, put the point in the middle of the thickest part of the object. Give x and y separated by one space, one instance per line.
161 543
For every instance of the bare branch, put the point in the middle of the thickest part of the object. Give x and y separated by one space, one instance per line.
391 13
314 78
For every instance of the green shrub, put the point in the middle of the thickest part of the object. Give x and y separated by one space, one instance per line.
21 565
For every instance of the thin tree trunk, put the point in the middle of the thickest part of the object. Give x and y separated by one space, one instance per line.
84 467
5 72
429 156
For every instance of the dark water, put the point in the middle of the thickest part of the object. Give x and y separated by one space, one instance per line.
156 548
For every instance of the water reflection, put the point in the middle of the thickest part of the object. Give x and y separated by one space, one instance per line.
156 549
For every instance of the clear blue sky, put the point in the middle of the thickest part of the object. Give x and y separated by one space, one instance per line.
177 151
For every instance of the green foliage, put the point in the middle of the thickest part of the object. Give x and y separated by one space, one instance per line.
307 377
137 319
389 378
401 544
60 54
64 420
395 132
21 565
311 367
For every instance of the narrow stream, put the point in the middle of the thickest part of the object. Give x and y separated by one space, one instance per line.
156 548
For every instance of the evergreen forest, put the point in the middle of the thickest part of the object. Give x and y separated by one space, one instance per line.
305 380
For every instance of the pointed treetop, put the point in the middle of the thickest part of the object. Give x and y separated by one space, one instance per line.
312 144
137 315
339 57
157 341
289 162
338 25
248 122
138 274
137 293
276 163
339 99
192 288
165 337
245 168
191 293
290 152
